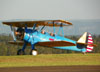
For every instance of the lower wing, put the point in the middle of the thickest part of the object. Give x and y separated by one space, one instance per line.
56 43
47 43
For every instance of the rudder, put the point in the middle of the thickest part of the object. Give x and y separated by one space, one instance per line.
90 42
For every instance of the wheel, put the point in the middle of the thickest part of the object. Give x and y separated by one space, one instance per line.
34 52
20 52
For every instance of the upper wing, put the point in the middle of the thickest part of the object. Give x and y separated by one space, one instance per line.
56 43
38 23
48 44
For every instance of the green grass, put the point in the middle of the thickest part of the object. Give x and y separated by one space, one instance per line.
50 60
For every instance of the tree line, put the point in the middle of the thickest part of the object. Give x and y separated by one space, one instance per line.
7 49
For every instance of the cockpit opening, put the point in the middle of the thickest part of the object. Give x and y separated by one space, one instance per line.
19 33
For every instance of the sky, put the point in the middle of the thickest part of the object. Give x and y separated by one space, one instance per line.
49 9
54 9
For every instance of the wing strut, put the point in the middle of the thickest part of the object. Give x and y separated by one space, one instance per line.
53 28
42 28
34 26
12 32
61 30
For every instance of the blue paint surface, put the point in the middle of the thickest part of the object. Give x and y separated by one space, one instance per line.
35 36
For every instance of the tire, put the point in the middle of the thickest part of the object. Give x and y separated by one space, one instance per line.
34 52
20 52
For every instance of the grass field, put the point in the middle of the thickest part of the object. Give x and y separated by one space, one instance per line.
50 60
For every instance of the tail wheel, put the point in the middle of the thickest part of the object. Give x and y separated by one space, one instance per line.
34 52
20 52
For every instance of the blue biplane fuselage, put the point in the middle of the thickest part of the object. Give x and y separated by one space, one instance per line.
34 36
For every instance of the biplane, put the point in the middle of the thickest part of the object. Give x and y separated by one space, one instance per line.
27 33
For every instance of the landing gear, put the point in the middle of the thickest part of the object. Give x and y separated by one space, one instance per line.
34 52
20 52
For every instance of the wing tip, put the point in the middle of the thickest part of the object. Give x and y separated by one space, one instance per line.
65 21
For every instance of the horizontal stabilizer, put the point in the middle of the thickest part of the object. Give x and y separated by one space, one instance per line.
87 44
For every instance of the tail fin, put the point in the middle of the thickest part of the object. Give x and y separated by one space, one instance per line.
83 38
86 39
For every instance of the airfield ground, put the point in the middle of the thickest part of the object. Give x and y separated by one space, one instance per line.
50 60
52 69
51 63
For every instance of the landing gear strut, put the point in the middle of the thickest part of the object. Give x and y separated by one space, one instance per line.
21 51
